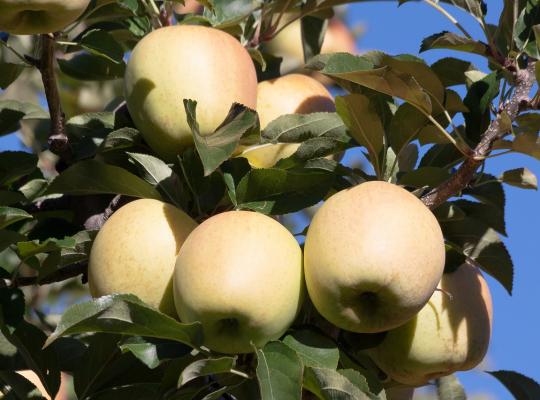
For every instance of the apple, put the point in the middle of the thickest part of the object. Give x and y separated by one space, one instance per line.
373 256
288 43
63 391
451 333
186 62
289 94
31 17
189 7
135 252
240 274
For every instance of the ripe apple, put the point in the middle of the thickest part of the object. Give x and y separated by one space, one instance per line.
451 333
135 251
31 17
288 43
63 392
189 7
186 62
240 274
289 94
373 256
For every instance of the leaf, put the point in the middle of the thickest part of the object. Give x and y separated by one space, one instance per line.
120 139
205 367
328 384
9 72
452 41
524 35
448 211
522 178
424 176
14 386
153 352
88 67
278 191
220 145
482 244
103 44
521 386
91 177
16 164
225 13
491 215
9 215
364 124
405 126
160 175
527 143
477 100
279 372
313 30
29 249
362 71
314 349
451 71
124 314
8 197
296 128
13 111
449 388
8 237
487 190
135 391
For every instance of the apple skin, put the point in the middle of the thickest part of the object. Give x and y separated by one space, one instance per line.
135 252
240 274
190 7
373 256
186 62
39 16
451 333
288 94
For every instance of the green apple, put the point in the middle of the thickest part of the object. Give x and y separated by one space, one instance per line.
289 94
135 252
31 17
240 274
373 256
186 62
451 333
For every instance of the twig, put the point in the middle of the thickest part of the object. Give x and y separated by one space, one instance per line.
525 79
449 16
58 141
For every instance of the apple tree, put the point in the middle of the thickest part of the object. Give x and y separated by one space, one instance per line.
125 107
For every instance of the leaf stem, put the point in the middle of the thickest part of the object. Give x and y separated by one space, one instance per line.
449 16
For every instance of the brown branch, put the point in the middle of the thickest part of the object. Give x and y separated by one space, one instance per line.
525 79
59 275
58 141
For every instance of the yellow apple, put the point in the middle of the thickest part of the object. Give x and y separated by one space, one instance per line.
63 392
30 17
186 62
289 94
189 7
240 274
288 43
451 333
373 256
135 252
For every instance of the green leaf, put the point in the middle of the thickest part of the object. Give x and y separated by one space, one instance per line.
491 215
487 190
449 388
9 215
279 372
329 384
451 71
424 176
153 352
362 71
15 165
405 126
31 248
448 211
521 386
522 178
524 35
296 128
88 67
103 44
205 367
478 100
364 124
214 149
135 391
8 197
124 314
122 138
313 30
452 41
482 244
278 191
11 305
9 72
14 386
160 175
314 349
8 237
13 111
225 14
91 177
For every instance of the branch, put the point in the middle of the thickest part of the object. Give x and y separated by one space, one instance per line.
58 141
525 79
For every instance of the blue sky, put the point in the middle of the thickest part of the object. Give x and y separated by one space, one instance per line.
516 331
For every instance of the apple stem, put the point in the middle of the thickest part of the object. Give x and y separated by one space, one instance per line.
520 99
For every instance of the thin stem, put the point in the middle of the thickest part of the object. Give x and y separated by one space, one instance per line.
449 16
450 138
16 53
239 373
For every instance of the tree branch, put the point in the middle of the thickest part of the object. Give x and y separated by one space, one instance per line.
58 141
525 79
